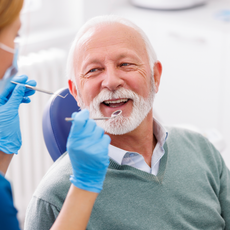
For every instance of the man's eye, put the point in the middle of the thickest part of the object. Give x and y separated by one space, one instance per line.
125 64
93 70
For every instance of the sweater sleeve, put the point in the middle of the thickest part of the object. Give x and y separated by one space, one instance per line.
224 195
224 186
8 213
40 215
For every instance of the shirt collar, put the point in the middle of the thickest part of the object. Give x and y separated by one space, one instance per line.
159 131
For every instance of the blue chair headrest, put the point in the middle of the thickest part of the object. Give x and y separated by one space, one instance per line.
55 128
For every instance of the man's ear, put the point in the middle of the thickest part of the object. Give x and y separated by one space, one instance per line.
157 70
73 91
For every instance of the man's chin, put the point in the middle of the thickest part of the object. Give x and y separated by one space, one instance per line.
117 126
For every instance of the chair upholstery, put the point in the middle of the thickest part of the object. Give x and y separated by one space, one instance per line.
55 128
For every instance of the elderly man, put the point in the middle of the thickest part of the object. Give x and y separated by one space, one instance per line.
156 179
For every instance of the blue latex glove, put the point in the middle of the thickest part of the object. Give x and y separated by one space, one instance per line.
87 146
12 96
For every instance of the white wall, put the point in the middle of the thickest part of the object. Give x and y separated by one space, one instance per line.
49 23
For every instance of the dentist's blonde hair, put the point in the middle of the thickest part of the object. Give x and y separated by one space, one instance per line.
106 20
9 11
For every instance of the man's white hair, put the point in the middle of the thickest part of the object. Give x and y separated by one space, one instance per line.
106 20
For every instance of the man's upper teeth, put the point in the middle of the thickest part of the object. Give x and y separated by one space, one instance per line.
115 101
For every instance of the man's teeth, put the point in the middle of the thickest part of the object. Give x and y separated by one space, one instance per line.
115 101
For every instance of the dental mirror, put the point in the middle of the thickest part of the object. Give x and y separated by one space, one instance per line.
113 115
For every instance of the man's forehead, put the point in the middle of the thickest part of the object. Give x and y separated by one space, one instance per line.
103 33
109 43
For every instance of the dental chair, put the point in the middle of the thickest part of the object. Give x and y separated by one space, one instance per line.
55 128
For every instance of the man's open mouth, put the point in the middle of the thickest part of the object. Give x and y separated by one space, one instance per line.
115 103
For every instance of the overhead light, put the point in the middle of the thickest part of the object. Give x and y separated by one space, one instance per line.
168 4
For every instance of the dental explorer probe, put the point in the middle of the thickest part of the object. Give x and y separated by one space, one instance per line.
113 115
40 90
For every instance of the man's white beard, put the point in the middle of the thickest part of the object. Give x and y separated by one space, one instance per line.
121 125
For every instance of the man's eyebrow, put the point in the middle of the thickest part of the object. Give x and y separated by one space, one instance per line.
91 61
122 55
88 62
95 60
128 54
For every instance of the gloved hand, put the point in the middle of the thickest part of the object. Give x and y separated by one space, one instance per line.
87 146
12 96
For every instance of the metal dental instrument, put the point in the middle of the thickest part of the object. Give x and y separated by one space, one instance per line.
113 115
40 90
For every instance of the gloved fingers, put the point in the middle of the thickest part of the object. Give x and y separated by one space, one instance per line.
90 134
99 149
10 86
88 129
97 134
82 115
30 92
74 114
17 96
26 100
96 143
20 79
3 100
106 140
24 80
79 122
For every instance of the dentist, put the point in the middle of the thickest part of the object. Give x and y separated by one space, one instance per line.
11 96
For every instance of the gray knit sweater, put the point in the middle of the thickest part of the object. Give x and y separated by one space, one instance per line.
191 191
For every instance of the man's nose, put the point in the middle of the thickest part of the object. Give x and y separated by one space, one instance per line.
112 79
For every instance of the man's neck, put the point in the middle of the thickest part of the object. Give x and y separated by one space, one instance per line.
140 140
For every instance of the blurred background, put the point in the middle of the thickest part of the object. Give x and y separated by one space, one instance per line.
191 39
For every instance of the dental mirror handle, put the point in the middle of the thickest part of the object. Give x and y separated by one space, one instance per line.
96 119
40 90
114 114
